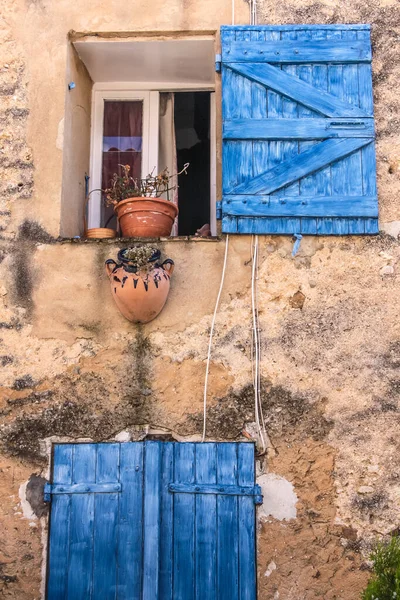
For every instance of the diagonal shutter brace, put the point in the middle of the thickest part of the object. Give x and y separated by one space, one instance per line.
80 488
220 490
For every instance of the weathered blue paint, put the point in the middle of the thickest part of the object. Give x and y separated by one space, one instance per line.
224 490
297 129
143 540
284 51
298 133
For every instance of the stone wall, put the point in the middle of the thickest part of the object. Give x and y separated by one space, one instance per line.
73 368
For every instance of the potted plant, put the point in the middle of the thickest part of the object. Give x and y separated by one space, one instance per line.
139 283
140 210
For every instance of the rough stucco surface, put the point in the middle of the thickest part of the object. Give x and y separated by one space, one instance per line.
72 367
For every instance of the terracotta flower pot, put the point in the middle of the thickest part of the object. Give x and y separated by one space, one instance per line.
100 233
146 217
140 294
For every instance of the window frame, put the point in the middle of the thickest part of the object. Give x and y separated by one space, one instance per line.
150 101
149 93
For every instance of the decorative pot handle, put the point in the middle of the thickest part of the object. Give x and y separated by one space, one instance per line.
110 269
171 266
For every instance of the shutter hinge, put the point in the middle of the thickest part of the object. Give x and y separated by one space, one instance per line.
221 490
80 488
219 210
218 61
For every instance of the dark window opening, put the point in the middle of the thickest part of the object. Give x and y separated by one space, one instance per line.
192 130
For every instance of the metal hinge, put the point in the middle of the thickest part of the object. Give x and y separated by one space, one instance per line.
221 490
219 209
80 488
218 61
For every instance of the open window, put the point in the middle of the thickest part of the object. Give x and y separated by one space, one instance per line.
152 107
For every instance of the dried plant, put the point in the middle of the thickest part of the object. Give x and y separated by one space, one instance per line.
124 186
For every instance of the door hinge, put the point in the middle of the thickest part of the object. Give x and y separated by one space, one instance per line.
219 210
218 61
51 489
221 490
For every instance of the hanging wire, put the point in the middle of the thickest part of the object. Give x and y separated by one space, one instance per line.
256 348
210 340
253 12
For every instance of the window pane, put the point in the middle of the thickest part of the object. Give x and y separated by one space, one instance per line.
122 143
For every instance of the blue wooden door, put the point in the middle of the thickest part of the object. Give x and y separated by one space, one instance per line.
298 130
152 521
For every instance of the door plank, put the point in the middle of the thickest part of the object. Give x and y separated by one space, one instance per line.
184 505
227 509
82 517
106 525
130 546
59 538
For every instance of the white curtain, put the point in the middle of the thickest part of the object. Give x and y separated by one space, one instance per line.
167 146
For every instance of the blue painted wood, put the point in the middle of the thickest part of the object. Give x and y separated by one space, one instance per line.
130 546
206 524
184 505
285 51
167 524
247 525
221 489
309 161
144 541
152 515
226 29
333 97
59 525
305 206
228 524
325 103
80 566
84 488
106 525
302 129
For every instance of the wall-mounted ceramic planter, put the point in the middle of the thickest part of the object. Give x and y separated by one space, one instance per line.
139 292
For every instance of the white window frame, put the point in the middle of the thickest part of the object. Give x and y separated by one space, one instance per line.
149 93
150 120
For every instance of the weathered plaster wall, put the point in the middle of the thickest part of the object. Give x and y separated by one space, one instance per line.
72 366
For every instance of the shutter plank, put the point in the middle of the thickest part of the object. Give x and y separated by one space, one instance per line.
206 523
60 516
303 206
292 87
290 110
184 505
247 525
315 51
167 518
300 128
105 525
82 516
309 161
130 547
152 515
227 510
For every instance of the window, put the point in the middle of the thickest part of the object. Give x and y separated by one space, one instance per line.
153 107
124 131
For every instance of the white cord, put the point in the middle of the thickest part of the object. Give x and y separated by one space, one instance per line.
256 344
233 12
210 340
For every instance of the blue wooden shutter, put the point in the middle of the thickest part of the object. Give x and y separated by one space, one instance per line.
298 130
152 521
